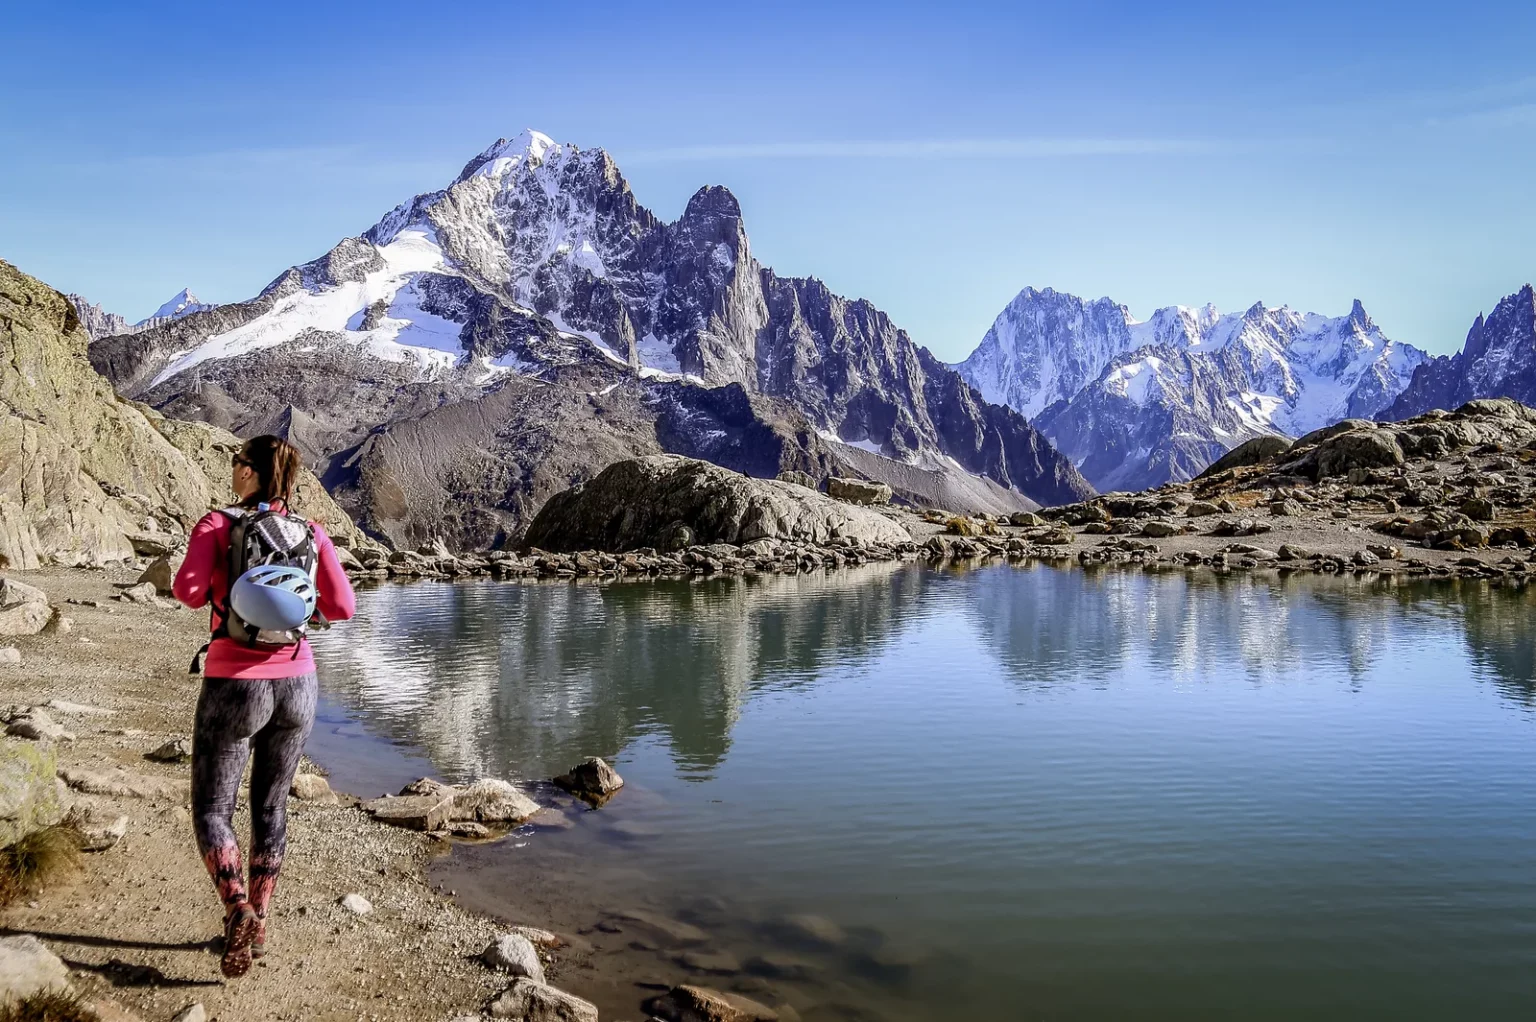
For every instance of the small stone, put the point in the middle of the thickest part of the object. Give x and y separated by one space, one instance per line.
36 725
192 1013
813 929
10 656
177 750
27 967
468 828
1159 529
1201 508
538 937
144 593
96 836
311 787
514 953
14 593
356 904
159 574
719 963
418 812
533 1001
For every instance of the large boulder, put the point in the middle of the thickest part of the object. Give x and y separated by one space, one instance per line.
644 502
1361 448
31 796
1249 452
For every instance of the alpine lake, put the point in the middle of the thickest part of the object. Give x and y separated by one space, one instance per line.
1009 792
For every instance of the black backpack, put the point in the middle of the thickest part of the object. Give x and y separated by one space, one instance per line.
261 536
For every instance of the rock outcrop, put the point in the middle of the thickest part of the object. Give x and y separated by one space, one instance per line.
667 502
81 471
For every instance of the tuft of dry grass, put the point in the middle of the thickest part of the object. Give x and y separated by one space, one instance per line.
48 1006
38 859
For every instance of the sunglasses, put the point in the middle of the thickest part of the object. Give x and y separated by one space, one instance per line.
239 459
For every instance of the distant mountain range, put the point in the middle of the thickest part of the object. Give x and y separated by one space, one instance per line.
1136 404
99 323
484 345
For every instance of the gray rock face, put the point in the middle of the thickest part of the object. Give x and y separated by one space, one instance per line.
551 325
1356 449
490 800
1497 360
702 1004
640 502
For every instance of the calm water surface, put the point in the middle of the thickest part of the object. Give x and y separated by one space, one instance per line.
1019 793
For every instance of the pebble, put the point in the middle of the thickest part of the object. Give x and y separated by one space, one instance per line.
192 1013
356 904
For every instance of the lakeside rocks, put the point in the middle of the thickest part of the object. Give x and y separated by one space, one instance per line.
1445 481
440 808
689 1003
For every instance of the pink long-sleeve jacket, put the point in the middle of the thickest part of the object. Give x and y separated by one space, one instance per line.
205 574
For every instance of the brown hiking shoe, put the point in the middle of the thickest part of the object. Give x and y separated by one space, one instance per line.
239 934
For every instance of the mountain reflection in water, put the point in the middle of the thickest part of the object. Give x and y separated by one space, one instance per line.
1023 791
522 680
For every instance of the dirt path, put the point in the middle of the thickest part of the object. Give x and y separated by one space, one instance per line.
147 904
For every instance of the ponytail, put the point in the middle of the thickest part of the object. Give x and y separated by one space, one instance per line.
276 463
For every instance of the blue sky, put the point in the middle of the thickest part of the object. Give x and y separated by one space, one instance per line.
932 158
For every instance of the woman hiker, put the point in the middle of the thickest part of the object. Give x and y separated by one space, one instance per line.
268 575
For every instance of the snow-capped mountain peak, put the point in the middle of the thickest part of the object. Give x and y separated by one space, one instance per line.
526 150
1136 403
183 303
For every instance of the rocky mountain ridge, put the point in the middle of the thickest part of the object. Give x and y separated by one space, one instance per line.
485 345
86 477
1134 404
1497 360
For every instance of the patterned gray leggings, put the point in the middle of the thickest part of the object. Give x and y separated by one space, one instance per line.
235 716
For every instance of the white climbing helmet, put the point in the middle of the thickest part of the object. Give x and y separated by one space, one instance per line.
274 598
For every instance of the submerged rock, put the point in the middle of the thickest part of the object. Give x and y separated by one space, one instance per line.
592 779
701 1004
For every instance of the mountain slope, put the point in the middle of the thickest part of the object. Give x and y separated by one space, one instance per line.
1497 360
1136 404
536 270
82 471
